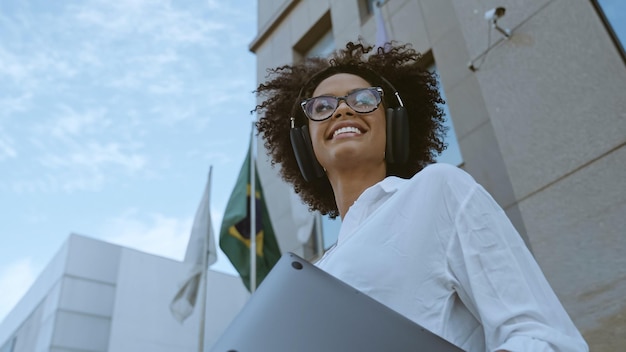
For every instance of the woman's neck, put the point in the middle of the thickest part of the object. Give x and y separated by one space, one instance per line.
348 185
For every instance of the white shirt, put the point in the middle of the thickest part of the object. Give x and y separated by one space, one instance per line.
439 250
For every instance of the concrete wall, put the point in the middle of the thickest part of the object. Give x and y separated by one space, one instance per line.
541 124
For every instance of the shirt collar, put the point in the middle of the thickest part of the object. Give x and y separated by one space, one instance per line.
386 187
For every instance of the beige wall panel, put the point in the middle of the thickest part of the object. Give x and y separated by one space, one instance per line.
558 102
267 9
439 17
263 61
282 43
299 22
315 10
368 29
346 22
471 16
467 106
406 25
579 239
452 58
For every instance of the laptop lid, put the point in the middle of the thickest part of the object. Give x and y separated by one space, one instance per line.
299 307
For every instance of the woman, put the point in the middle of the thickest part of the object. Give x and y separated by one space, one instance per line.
357 135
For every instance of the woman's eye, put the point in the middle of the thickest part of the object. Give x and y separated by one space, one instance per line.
322 105
364 99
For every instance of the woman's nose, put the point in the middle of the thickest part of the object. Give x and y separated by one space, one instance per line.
343 109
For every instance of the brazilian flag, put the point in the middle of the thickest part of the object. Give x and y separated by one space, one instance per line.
235 230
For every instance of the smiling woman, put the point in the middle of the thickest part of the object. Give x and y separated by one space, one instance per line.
357 135
294 85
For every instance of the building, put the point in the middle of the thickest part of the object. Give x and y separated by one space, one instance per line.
539 121
96 296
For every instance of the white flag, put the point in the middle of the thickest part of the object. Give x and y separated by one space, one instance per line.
199 255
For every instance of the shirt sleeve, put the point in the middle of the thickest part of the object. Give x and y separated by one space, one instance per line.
498 280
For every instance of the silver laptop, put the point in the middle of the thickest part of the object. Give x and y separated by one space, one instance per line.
301 308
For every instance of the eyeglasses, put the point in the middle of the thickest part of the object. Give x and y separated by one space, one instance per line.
362 101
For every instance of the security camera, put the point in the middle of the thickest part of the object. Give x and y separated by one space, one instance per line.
493 16
495 13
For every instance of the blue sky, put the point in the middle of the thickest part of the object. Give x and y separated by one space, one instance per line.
111 113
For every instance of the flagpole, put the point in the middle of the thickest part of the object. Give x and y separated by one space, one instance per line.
203 278
252 213
319 239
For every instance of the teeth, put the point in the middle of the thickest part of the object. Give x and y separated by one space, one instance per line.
346 130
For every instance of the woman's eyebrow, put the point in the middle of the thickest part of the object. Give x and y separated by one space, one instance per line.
355 89
336 96
347 93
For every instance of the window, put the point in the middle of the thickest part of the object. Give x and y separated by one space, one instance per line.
324 46
319 41
613 13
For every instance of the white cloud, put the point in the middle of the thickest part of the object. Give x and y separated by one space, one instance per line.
73 123
6 148
15 279
9 105
96 158
166 86
88 54
144 68
12 66
85 166
159 234
171 115
29 71
159 20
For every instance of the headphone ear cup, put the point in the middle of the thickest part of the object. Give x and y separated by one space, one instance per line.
305 157
397 148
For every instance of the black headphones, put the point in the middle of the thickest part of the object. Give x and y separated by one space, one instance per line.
396 150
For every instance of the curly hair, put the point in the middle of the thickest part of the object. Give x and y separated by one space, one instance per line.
401 65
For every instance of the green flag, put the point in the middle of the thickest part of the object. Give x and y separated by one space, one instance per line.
235 230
